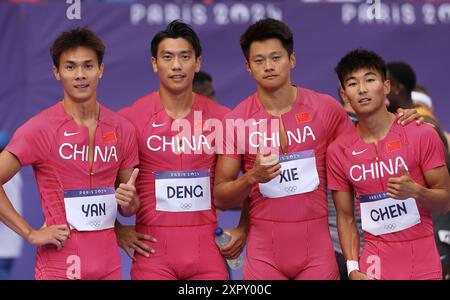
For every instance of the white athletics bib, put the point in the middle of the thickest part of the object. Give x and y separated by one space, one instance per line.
381 214
181 191
91 209
298 175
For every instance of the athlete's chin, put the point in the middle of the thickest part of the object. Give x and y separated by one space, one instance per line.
81 97
271 85
363 112
178 88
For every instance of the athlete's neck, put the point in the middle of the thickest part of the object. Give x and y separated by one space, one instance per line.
279 101
83 113
373 128
177 105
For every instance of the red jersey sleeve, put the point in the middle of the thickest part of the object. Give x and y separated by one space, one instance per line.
127 113
336 178
431 149
230 134
130 147
30 143
336 118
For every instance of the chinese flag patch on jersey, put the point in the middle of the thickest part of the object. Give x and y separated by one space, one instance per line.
393 146
303 117
109 137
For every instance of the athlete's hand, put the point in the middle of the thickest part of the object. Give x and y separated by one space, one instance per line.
402 187
126 195
264 169
406 116
128 239
55 235
357 275
234 248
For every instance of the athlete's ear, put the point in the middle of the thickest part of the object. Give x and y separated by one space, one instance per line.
56 72
248 67
387 87
155 67
198 63
344 95
102 68
292 60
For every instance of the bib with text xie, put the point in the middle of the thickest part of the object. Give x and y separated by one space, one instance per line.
298 175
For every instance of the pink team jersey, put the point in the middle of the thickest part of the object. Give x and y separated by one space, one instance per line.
366 168
177 161
314 121
57 148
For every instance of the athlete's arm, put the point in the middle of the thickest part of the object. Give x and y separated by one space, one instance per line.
348 232
238 235
231 191
56 234
126 195
436 198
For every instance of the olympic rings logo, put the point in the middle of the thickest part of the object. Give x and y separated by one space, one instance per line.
290 189
186 205
390 227
94 224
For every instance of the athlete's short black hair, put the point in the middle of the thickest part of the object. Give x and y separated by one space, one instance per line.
403 73
267 29
358 59
74 38
177 29
201 77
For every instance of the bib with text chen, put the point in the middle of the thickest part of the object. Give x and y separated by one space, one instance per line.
381 214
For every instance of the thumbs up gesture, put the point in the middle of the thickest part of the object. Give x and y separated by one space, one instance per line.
126 195
402 187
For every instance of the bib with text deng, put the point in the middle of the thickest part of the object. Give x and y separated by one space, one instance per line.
91 209
182 191
298 175
381 214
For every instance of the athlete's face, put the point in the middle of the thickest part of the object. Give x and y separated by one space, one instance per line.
176 64
365 90
270 64
79 72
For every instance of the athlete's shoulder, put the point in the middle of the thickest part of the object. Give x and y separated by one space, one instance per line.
425 127
245 108
42 127
318 100
149 101
211 108
115 119
145 104
344 141
49 119
416 132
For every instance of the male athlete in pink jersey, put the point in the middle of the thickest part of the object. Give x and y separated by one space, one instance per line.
289 236
78 149
399 176
176 131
